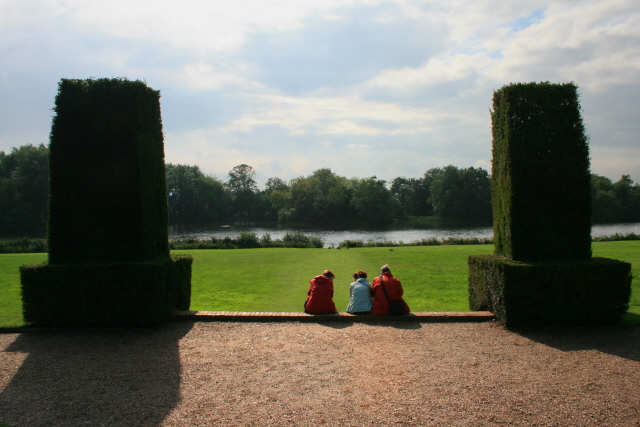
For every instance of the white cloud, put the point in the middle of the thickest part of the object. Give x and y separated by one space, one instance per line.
290 86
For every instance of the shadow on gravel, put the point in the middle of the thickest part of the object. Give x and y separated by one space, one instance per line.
384 323
110 377
618 341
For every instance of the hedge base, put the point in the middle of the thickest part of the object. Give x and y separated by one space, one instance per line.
594 291
142 293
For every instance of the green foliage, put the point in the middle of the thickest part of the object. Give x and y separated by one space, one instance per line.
321 198
242 179
433 241
107 176
617 237
291 239
109 259
195 197
541 180
243 188
125 293
297 239
265 240
594 291
23 245
615 202
372 201
180 283
462 193
248 240
413 195
24 188
26 245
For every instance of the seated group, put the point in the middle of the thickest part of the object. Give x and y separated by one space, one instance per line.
383 296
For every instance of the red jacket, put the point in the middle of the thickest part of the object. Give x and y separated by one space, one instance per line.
320 298
394 289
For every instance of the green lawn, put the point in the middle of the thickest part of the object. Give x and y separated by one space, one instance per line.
434 277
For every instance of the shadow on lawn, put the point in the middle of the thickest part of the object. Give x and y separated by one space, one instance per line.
94 377
615 340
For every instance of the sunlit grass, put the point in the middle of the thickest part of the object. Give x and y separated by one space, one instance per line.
276 279
10 300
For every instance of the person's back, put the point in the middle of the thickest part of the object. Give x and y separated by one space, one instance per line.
320 294
394 291
359 294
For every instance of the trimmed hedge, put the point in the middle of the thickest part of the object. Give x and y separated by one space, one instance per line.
541 194
106 294
594 291
109 261
181 271
107 175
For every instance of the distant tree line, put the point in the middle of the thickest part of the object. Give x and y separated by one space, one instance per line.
24 190
327 198
321 198
615 202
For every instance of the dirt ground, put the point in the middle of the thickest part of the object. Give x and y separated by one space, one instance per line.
384 373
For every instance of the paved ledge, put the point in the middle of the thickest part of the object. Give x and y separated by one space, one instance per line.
243 316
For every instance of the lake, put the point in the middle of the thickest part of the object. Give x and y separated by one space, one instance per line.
334 237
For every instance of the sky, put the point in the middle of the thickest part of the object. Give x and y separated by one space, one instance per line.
363 87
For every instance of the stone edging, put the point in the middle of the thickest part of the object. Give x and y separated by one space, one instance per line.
244 316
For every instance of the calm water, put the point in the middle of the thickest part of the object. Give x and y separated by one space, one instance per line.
334 237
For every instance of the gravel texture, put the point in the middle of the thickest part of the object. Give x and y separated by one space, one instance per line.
385 373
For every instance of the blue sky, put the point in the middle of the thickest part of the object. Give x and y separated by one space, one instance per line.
385 88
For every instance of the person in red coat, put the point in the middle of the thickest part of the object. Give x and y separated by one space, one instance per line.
320 295
394 290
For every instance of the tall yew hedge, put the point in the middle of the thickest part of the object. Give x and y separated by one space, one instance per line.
540 174
542 271
109 259
107 179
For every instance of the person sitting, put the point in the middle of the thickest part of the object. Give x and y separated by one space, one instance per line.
320 295
359 294
394 292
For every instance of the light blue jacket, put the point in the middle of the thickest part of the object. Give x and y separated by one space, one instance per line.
359 296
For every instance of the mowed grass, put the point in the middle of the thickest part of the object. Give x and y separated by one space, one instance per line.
10 300
277 279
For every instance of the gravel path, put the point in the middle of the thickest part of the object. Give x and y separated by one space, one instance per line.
311 374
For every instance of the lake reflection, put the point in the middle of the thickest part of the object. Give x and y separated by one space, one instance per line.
334 237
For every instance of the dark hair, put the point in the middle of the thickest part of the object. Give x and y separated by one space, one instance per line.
329 274
360 273
385 269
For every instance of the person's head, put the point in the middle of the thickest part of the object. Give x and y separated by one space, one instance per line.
385 269
329 274
360 274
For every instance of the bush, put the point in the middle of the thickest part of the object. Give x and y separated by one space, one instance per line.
23 246
108 200
297 239
265 240
109 259
181 280
101 294
316 242
617 237
351 244
248 240
594 291
541 185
